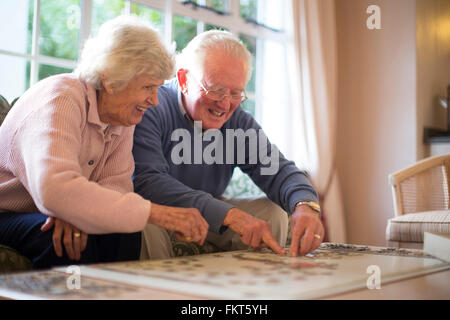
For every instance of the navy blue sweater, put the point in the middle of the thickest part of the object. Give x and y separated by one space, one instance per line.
196 182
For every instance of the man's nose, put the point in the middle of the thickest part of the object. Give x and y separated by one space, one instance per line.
225 104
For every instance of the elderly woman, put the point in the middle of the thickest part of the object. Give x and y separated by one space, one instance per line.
66 154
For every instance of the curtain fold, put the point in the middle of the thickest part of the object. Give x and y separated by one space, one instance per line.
314 86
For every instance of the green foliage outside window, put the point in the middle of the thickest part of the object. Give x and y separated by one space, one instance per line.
250 43
248 9
249 106
213 27
104 10
153 16
46 70
59 28
220 5
184 30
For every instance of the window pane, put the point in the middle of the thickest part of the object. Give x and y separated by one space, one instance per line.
46 70
104 10
213 27
267 12
250 43
59 28
249 106
151 15
15 77
17 25
219 5
249 9
184 30
275 92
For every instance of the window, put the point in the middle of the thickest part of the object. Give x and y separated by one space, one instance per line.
45 37
184 29
40 38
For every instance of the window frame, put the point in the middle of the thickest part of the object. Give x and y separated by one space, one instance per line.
169 8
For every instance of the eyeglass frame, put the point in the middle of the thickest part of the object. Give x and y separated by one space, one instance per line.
243 98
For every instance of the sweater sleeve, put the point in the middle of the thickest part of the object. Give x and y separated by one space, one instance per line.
45 158
278 177
153 180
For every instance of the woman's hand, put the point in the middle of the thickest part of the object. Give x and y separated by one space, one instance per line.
188 223
74 240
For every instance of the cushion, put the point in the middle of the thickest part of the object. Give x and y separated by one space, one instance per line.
4 108
12 261
411 227
182 248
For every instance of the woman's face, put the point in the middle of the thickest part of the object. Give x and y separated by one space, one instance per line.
126 107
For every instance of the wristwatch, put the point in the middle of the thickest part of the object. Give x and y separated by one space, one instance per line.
313 205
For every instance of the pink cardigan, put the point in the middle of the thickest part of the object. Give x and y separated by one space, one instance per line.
55 159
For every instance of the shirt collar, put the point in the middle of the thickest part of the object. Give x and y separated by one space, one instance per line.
92 112
182 109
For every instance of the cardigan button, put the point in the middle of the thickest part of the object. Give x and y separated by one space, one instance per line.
91 162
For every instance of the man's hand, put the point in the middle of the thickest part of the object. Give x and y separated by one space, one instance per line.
188 223
74 240
305 224
254 232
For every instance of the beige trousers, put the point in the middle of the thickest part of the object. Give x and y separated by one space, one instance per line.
156 241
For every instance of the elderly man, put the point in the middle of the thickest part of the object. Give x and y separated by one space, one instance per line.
186 149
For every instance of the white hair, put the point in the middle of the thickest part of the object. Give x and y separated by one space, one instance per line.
124 48
193 56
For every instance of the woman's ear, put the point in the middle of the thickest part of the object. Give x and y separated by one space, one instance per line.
106 85
182 80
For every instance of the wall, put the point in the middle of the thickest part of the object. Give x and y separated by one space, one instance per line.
433 67
377 110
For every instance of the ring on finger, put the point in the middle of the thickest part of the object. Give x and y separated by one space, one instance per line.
76 234
316 235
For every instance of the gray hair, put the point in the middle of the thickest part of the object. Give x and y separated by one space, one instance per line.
124 48
193 55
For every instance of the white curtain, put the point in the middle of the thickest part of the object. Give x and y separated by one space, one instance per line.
313 78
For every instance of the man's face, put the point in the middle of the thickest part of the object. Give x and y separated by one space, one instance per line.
221 72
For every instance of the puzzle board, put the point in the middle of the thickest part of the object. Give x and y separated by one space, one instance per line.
51 284
331 269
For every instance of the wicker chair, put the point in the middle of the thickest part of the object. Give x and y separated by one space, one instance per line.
421 202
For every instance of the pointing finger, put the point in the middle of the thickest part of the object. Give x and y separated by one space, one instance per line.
272 243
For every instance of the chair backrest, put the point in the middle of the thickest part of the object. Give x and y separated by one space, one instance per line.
423 186
4 108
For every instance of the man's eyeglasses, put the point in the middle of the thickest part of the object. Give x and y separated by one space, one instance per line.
236 96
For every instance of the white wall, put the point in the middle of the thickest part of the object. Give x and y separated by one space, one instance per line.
377 110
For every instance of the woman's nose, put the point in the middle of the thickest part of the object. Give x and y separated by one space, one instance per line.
153 99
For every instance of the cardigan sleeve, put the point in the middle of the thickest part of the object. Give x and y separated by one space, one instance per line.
45 158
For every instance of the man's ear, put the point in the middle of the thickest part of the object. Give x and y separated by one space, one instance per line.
182 79
106 85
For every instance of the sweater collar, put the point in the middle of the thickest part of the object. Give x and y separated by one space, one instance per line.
182 109
92 113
